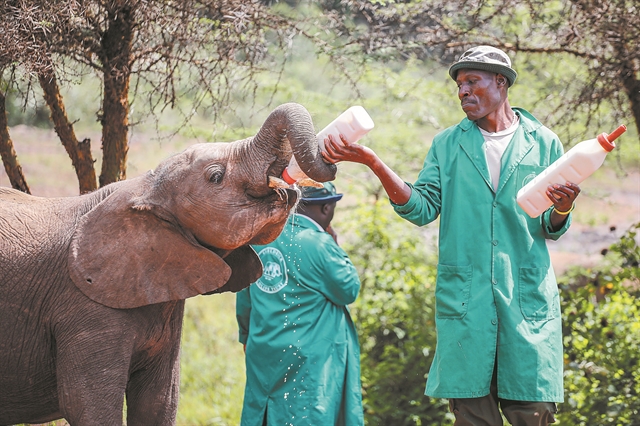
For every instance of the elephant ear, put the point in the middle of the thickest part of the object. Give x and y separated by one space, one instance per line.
246 267
126 257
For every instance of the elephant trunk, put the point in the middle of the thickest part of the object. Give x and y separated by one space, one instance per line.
289 130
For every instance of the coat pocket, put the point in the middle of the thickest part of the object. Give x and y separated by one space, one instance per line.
453 287
538 294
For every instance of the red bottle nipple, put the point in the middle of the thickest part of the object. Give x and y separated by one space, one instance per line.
606 141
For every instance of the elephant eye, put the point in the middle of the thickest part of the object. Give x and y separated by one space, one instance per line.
215 173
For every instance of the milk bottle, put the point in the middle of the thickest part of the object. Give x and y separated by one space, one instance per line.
574 166
354 123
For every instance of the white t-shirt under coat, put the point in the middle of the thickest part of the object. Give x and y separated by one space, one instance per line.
494 146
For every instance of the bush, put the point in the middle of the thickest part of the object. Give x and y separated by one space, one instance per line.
395 318
601 318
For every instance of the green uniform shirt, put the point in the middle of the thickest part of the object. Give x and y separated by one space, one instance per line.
496 292
302 353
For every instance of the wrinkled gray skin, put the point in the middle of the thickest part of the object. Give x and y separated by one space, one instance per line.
92 287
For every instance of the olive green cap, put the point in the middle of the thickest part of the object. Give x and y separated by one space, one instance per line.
485 58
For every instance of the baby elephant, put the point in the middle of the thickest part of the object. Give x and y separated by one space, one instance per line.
92 287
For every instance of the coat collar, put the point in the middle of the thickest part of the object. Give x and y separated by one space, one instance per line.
305 222
522 142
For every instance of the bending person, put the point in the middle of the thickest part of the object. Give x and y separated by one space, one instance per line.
302 351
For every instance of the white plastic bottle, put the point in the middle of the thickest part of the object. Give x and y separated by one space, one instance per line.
354 123
574 166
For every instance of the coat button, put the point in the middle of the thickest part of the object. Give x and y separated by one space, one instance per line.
494 321
494 282
494 242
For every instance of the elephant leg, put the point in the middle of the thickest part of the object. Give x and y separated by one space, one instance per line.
152 394
154 383
91 384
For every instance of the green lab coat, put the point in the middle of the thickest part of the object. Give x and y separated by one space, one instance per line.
302 351
496 292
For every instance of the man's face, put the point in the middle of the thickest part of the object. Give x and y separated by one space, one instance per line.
479 92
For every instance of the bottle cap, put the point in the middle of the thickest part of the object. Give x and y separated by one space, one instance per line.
606 141
287 177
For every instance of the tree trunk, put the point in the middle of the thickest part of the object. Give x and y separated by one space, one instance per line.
632 86
116 59
79 152
8 153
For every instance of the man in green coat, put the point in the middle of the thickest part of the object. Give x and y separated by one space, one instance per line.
497 304
302 351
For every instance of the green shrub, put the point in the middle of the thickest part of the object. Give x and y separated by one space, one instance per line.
394 316
601 317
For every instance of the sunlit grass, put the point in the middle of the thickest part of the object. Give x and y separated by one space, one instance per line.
212 363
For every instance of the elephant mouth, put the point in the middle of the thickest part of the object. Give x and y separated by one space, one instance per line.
277 189
276 209
277 183
277 193
289 195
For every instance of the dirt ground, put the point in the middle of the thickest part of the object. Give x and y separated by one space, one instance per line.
608 205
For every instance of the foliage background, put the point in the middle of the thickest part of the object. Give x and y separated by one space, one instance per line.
409 103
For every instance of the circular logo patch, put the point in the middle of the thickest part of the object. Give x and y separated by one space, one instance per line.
528 178
274 276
